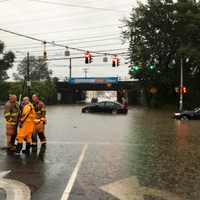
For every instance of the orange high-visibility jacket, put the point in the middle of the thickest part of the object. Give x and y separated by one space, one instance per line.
27 121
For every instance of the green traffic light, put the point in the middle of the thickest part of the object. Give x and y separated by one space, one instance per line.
152 67
135 68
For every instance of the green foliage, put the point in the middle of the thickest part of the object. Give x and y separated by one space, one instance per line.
4 91
6 62
38 69
46 90
160 33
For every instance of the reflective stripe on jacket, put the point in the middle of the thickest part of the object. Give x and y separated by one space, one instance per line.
11 111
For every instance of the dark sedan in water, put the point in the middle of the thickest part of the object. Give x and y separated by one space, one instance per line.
106 107
188 114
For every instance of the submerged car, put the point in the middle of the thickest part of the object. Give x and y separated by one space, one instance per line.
106 107
188 114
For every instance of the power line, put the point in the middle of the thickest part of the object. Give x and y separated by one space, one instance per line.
96 51
75 57
77 29
73 43
78 6
100 51
69 40
47 42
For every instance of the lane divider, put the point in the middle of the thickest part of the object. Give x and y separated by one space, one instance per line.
74 175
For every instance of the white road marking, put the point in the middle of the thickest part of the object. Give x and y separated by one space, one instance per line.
74 175
126 189
130 189
15 190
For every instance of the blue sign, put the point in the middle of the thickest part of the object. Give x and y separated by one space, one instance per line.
112 80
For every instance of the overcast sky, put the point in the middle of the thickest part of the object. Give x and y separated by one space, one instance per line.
87 24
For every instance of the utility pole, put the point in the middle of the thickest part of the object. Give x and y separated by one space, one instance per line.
70 68
28 75
86 72
181 87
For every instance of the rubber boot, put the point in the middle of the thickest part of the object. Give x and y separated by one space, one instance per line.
27 150
18 148
34 140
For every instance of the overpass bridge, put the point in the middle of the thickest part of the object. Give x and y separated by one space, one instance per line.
74 90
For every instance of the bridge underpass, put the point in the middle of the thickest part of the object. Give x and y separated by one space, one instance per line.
74 92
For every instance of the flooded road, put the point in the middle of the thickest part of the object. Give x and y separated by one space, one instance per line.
145 155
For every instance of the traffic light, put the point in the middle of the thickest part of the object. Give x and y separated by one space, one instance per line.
135 68
151 67
115 62
67 52
45 51
105 59
118 62
44 55
88 57
184 90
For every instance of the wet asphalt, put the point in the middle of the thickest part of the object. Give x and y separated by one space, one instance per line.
162 153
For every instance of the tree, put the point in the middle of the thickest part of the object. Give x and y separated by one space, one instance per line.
160 33
38 69
6 61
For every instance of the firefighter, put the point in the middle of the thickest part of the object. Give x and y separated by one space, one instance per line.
26 126
11 111
40 122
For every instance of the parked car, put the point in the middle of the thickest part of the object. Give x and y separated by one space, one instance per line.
105 107
188 114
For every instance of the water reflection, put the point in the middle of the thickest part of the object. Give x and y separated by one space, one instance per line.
167 156
182 135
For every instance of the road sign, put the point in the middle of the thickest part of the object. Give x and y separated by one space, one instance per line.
94 80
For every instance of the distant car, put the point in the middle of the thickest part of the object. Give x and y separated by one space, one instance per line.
188 114
105 107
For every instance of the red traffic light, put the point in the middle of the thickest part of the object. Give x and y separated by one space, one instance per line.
183 90
115 61
88 57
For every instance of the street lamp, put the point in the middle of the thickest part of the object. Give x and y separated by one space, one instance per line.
85 71
181 86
